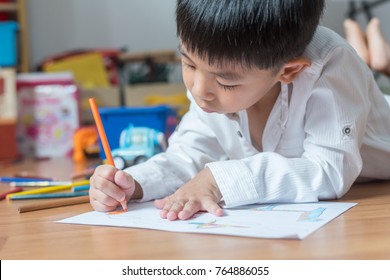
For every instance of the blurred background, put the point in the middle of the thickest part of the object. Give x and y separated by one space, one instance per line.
122 53
138 25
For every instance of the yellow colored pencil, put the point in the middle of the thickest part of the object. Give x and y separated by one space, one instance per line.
50 189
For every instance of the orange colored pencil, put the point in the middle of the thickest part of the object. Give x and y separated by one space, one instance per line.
100 128
103 138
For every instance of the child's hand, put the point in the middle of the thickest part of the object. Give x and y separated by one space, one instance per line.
199 194
109 186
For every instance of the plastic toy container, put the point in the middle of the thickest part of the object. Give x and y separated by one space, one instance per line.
48 114
116 119
8 43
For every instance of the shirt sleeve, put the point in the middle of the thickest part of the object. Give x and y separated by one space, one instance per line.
191 146
334 126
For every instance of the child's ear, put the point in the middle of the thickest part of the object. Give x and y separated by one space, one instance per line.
291 69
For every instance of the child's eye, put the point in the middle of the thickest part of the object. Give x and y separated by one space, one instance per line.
189 66
225 87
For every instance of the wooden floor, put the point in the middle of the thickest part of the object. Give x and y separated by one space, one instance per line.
361 233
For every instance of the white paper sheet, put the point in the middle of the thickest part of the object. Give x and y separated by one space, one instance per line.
292 221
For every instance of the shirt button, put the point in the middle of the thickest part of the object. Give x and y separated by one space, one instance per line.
347 130
239 134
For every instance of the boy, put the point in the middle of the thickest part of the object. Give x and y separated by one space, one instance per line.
281 111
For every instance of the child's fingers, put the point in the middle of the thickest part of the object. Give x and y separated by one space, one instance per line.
159 203
184 211
190 209
101 207
169 209
103 198
124 180
212 207
107 187
174 210
163 214
101 202
163 205
105 171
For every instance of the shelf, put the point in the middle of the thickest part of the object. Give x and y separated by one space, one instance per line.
17 11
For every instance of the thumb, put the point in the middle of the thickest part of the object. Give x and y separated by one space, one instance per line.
213 208
126 182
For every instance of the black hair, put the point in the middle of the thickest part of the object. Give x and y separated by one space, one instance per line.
254 33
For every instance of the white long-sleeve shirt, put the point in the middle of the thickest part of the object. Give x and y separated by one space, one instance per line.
326 129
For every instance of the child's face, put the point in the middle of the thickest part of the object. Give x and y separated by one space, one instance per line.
226 89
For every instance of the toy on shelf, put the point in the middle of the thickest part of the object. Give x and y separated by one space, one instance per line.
85 143
137 144
9 43
90 67
115 120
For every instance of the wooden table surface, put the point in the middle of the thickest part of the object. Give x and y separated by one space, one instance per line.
363 232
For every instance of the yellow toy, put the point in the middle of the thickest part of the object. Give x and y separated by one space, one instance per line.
88 69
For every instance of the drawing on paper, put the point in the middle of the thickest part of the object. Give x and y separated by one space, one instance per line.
306 216
116 212
214 224
293 221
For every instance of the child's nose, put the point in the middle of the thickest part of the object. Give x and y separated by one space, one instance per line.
202 88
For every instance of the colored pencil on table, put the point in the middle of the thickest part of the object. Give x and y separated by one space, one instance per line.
21 180
40 183
50 184
103 138
50 189
15 190
53 204
48 195
80 188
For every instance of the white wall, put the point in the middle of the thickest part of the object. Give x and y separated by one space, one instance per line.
336 11
61 25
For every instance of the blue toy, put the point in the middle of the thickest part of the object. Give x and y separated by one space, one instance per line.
137 144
